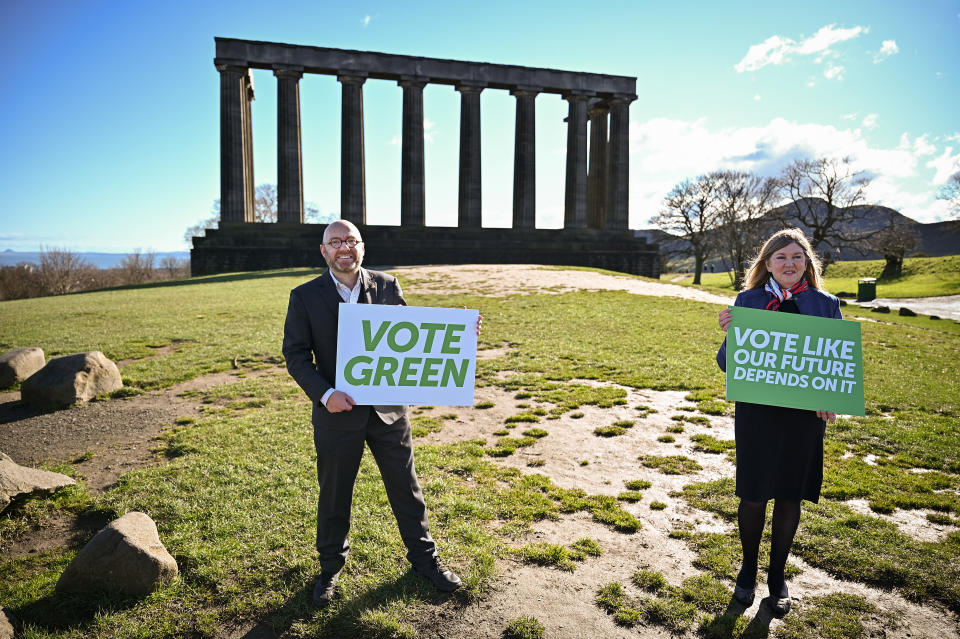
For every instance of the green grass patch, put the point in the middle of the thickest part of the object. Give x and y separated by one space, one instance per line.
637 484
523 628
522 417
536 433
624 423
834 616
536 463
671 464
609 431
657 505
484 405
631 496
421 426
712 445
675 429
666 439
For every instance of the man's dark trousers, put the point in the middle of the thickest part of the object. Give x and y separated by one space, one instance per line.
338 460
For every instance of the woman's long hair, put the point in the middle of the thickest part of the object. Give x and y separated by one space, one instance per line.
757 274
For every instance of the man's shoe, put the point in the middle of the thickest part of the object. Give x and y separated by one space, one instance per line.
324 589
443 578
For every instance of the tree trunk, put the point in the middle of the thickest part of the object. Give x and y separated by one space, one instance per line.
893 267
697 269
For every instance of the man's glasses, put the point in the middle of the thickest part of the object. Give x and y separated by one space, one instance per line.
336 242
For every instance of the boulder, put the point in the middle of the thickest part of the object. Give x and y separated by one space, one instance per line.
18 481
906 312
875 309
20 364
6 625
934 317
71 379
126 557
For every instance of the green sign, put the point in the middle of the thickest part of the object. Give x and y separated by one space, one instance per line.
797 361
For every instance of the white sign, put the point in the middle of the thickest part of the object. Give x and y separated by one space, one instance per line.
402 355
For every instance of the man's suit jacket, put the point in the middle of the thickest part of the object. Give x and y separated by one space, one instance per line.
310 342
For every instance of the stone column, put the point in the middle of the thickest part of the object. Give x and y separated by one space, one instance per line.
236 145
469 209
289 145
525 159
575 209
412 197
353 204
597 175
618 187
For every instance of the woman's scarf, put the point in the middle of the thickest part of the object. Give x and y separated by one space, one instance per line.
781 295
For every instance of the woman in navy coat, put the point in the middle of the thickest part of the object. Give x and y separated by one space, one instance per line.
779 450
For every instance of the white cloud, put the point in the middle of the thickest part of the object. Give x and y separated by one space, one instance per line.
777 49
11 236
833 71
366 21
887 49
773 50
811 83
870 121
922 147
757 97
828 36
945 165
395 140
850 116
664 152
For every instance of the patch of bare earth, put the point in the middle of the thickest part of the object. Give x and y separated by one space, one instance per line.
499 280
102 439
564 602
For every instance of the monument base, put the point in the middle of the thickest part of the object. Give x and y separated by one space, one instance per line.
262 246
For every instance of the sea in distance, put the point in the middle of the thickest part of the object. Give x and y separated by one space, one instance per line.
10 257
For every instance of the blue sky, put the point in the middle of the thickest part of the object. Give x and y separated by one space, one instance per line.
109 111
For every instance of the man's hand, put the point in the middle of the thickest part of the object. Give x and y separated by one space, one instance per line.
339 402
827 416
725 319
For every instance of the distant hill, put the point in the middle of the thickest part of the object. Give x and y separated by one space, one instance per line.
9 257
936 239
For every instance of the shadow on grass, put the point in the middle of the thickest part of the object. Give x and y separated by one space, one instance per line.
215 279
725 626
74 611
343 617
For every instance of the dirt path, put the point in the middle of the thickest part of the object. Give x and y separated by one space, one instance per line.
947 306
508 279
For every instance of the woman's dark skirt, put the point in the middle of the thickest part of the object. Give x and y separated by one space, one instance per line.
779 453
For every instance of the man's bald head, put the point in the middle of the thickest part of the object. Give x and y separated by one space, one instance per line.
341 227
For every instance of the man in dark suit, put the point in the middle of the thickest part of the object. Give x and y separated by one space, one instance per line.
340 427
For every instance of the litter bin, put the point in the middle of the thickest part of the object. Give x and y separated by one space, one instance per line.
866 289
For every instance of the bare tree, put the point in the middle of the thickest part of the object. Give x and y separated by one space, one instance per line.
20 281
137 267
951 193
893 242
62 271
175 268
690 212
822 194
264 210
742 200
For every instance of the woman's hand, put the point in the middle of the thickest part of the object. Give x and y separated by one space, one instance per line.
827 416
725 319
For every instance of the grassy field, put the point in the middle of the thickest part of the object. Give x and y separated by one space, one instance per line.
234 500
922 277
